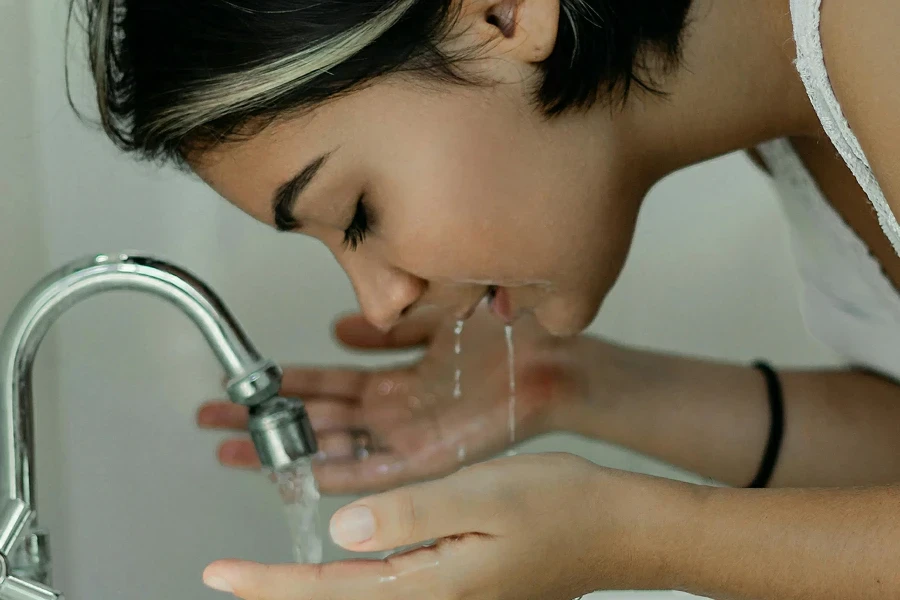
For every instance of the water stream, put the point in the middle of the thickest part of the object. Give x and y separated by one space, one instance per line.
457 350
511 404
300 495
457 381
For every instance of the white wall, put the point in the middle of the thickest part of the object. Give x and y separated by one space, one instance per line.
142 504
23 252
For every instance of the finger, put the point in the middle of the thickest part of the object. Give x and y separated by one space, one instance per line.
238 453
222 415
327 414
324 414
334 383
416 329
413 514
255 581
331 419
337 445
421 456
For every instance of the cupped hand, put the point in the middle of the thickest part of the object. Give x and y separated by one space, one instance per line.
542 527
415 425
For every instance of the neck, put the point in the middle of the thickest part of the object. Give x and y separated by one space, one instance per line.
736 87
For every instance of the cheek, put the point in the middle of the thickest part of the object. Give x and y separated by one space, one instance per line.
446 206
468 152
435 238
482 191
468 219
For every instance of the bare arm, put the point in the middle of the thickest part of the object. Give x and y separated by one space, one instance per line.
787 544
841 427
862 51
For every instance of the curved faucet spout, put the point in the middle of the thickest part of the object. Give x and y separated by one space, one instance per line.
281 428
252 379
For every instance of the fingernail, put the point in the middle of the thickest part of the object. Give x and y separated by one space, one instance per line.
352 526
217 583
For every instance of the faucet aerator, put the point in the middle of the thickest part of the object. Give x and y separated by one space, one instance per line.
281 432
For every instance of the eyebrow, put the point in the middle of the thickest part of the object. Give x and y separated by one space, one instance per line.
285 197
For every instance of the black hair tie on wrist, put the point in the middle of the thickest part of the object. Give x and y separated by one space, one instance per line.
776 429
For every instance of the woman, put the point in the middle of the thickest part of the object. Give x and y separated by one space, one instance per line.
448 152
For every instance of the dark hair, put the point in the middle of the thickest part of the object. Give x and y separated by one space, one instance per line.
173 76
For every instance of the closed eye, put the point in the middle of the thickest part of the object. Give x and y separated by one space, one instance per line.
360 226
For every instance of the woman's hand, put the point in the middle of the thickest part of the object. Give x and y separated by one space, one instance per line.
416 427
542 527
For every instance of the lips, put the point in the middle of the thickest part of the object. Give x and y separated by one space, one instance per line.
499 301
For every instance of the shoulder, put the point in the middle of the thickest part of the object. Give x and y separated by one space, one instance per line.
861 44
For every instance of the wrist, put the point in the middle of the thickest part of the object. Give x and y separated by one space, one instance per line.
607 379
565 382
656 526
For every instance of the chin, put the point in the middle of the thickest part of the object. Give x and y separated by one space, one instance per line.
564 319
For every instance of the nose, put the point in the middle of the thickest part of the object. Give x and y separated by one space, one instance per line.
385 293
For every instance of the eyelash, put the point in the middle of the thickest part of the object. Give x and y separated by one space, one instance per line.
359 227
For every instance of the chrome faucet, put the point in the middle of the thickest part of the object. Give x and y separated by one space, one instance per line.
279 427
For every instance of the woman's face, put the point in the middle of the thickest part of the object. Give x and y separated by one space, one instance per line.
429 194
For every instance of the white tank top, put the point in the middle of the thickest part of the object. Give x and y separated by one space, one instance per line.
848 303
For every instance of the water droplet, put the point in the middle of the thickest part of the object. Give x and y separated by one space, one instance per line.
385 387
457 377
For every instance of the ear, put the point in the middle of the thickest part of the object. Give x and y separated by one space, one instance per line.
522 29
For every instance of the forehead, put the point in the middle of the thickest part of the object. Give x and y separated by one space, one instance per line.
275 152
292 138
258 164
391 126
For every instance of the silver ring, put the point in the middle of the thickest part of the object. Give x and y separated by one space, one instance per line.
361 444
